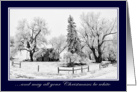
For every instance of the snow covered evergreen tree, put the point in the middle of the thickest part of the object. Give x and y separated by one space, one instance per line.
73 41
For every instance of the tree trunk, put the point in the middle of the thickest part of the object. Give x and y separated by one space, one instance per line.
89 55
98 58
94 53
31 55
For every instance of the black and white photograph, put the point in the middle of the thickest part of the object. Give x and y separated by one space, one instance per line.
63 43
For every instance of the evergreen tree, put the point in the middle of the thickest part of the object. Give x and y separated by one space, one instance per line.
73 41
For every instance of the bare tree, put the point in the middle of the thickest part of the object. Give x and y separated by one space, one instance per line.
13 50
58 43
31 36
95 32
110 52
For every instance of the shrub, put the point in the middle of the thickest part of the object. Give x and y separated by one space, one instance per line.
73 59
46 55
112 57
13 52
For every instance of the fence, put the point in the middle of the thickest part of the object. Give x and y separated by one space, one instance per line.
38 67
19 64
16 63
73 69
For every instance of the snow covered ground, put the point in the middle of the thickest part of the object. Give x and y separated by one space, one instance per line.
48 70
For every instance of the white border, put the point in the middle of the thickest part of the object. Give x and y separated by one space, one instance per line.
63 79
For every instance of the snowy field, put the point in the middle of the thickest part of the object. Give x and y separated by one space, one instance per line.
49 70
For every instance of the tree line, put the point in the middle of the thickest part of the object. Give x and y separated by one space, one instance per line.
96 39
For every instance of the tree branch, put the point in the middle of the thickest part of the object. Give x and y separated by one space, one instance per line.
37 35
24 49
108 34
63 49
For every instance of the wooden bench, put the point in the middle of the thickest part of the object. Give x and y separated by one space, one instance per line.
104 64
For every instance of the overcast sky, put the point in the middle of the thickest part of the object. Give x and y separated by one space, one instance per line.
57 19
